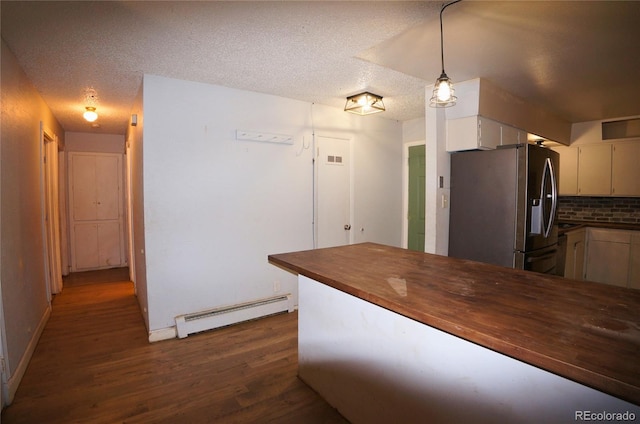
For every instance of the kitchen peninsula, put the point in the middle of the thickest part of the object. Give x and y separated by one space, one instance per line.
391 335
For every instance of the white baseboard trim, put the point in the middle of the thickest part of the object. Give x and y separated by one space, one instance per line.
163 334
11 386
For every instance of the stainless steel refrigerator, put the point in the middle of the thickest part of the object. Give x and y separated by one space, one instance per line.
503 207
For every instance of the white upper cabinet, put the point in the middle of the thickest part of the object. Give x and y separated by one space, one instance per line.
477 132
594 170
512 135
625 169
602 169
568 173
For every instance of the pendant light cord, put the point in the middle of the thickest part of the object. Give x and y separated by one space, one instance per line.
441 32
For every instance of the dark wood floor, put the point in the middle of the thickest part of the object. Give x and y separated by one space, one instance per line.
94 364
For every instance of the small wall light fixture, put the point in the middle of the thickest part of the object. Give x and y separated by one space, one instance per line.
90 114
364 104
443 92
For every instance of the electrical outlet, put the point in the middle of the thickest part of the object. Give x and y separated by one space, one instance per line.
276 286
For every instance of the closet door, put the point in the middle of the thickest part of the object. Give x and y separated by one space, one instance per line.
96 198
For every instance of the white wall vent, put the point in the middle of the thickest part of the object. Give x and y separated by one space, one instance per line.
232 314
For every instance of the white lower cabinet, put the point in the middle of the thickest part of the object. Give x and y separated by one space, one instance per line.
574 261
634 262
612 258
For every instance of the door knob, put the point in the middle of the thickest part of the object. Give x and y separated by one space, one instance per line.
347 227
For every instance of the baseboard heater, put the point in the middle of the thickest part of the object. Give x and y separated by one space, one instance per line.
232 314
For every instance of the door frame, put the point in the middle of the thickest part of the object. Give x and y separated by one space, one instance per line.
131 262
50 201
405 189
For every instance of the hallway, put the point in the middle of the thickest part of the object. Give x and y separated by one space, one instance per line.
94 364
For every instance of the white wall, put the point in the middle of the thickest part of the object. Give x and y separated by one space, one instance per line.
413 130
215 207
135 141
22 275
94 142
437 165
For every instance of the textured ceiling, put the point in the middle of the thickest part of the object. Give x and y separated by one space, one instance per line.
579 59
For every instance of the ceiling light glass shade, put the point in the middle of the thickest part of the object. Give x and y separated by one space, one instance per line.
364 104
443 92
90 114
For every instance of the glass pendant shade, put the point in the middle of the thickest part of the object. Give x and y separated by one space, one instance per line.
443 92
90 114
364 104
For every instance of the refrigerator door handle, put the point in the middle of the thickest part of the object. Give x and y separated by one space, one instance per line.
549 195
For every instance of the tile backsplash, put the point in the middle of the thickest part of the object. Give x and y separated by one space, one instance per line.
603 209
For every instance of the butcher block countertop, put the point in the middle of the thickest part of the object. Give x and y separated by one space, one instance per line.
583 331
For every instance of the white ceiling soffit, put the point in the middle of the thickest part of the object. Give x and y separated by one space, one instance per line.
578 58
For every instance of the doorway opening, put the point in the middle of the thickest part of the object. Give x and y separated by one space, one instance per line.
414 194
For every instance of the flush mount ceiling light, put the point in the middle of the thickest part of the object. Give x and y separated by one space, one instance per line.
364 104
90 114
443 92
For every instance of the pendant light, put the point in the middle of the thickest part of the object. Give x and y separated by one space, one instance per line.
443 92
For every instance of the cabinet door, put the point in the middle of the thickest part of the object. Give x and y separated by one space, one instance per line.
472 132
85 241
608 262
594 170
510 135
109 244
568 172
574 265
634 262
608 253
579 249
97 245
489 133
107 185
626 169
83 187
462 134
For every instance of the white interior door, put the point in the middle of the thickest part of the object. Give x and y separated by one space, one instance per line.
96 199
333 198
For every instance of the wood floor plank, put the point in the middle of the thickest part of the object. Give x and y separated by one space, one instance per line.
94 364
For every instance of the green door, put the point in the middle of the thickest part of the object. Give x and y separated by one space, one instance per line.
416 198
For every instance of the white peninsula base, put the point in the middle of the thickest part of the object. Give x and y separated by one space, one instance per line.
376 366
